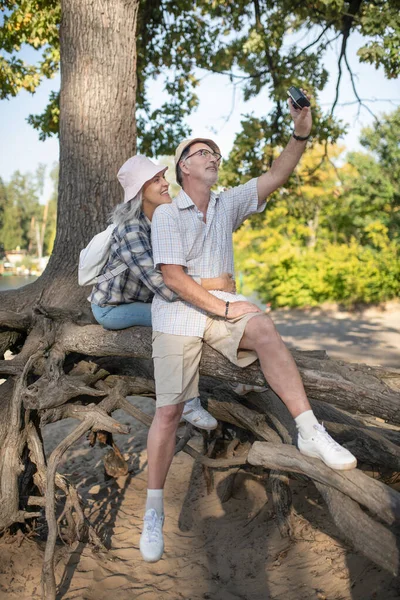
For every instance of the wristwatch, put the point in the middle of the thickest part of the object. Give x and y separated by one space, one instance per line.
300 138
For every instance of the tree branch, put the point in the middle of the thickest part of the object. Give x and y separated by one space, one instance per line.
347 21
361 103
380 499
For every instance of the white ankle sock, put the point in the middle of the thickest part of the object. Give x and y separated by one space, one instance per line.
305 424
155 499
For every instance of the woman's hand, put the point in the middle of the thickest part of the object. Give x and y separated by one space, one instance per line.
223 283
227 283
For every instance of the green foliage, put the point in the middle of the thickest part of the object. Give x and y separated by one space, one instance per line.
35 23
47 123
383 142
11 232
333 235
375 192
369 195
345 273
22 205
255 43
50 226
22 217
3 198
381 20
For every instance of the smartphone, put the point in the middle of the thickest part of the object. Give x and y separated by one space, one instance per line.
299 100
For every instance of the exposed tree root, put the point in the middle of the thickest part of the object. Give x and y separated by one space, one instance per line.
51 379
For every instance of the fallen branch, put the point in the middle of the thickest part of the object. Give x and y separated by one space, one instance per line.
93 420
380 499
367 536
327 380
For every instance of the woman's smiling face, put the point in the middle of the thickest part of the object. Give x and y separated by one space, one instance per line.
155 191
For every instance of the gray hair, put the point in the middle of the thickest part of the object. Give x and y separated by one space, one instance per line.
184 154
127 211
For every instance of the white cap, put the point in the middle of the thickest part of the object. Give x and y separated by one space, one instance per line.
188 142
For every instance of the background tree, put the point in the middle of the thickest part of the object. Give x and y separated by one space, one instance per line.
21 206
24 222
49 228
329 236
3 199
11 233
383 142
255 43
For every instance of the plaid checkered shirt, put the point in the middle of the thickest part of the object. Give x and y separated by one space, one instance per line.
131 245
180 237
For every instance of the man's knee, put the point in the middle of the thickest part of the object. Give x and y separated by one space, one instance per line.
261 329
169 416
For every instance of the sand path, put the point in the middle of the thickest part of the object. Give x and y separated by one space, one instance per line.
371 336
214 550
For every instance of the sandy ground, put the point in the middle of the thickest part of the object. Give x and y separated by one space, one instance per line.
215 550
370 336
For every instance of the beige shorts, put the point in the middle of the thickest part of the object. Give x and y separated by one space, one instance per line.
177 357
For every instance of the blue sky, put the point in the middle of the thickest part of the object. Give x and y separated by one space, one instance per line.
20 148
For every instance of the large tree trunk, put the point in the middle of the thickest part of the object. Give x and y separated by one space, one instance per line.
97 135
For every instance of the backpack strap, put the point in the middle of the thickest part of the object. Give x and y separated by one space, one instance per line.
111 274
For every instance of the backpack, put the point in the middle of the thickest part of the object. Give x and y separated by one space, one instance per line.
94 257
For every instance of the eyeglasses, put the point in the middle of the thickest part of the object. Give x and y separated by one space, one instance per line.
205 154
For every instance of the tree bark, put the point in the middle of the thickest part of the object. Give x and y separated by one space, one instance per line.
353 387
380 499
97 135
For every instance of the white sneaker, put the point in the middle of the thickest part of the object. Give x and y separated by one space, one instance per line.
322 445
195 414
151 540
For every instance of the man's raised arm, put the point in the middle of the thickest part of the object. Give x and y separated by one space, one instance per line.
286 162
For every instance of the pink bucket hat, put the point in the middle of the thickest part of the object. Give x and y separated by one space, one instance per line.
135 172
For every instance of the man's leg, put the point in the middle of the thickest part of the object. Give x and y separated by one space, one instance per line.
176 372
276 362
161 443
282 374
160 452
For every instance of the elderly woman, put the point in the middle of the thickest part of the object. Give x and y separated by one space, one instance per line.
125 288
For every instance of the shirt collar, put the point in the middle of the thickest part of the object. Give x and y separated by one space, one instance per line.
183 200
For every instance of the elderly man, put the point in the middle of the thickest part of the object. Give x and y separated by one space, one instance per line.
192 237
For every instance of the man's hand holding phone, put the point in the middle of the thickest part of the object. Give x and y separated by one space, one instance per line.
299 106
